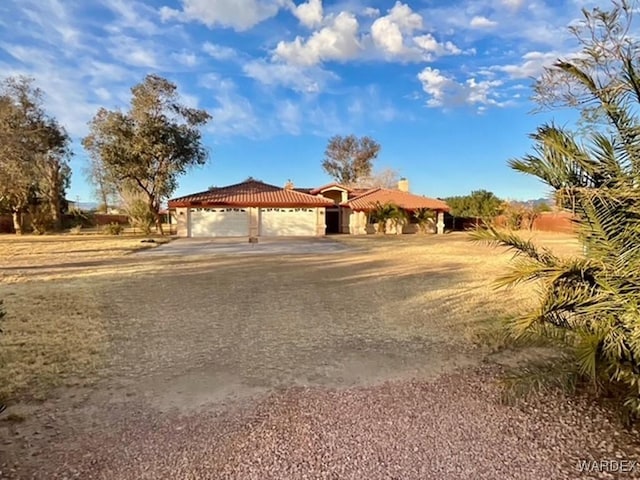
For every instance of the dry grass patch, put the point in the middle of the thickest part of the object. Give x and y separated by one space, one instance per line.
466 302
404 292
53 334
31 257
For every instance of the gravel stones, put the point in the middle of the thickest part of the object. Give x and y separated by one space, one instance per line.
453 427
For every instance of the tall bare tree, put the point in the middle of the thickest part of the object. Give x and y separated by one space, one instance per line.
349 159
34 150
387 178
105 188
151 144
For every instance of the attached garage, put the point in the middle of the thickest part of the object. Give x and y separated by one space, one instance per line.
251 208
219 222
288 222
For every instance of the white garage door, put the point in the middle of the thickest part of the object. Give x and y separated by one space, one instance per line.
219 222
288 221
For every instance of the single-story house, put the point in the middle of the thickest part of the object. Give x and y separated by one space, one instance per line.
254 208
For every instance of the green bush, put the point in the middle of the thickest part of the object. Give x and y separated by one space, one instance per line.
113 229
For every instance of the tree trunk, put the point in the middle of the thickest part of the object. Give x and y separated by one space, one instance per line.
55 207
17 221
155 208
159 222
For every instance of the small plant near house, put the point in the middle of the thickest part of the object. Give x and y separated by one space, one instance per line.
113 229
425 219
384 212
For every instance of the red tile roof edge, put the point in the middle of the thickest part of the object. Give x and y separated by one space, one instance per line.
359 202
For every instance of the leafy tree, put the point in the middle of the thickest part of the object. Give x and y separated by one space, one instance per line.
34 150
589 304
152 144
480 204
350 159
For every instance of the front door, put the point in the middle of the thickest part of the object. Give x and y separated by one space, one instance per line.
332 220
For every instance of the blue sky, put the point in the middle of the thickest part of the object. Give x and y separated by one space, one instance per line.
443 86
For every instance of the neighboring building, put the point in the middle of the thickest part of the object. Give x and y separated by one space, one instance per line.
254 208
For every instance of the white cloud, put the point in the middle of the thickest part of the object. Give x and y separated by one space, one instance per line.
233 113
131 15
188 59
102 93
445 91
310 13
336 41
219 52
371 12
532 65
63 86
482 22
302 80
388 32
52 17
513 4
131 51
429 44
237 14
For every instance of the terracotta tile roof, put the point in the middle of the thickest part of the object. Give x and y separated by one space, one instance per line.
356 192
251 193
329 185
406 200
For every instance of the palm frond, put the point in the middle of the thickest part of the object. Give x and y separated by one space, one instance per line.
512 241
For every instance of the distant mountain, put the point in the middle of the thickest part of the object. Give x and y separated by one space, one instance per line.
539 201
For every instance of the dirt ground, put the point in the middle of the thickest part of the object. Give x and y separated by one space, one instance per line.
123 338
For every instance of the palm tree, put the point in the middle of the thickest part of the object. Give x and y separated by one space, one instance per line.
425 218
383 212
590 303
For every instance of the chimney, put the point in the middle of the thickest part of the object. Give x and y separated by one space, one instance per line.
403 185
288 185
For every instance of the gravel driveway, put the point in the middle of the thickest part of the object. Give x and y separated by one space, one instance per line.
299 366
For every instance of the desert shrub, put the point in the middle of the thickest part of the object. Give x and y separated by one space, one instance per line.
141 216
79 218
76 230
113 229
